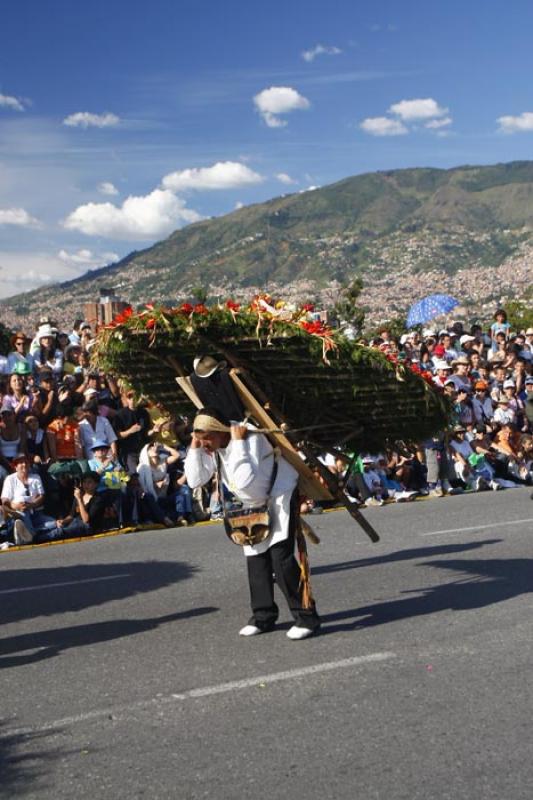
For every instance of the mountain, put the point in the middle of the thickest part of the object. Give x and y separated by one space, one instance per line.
467 231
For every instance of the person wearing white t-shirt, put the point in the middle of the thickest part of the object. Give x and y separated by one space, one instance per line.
22 500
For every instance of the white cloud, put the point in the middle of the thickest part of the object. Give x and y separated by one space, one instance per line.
320 50
435 124
279 100
286 179
17 216
106 187
141 218
422 108
13 103
522 122
238 205
222 175
383 126
86 257
85 119
309 189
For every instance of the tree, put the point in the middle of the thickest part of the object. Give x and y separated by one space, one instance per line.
519 315
346 309
199 294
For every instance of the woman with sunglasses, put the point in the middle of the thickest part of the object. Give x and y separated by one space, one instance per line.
19 357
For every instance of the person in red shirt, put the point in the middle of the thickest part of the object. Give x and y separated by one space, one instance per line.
64 439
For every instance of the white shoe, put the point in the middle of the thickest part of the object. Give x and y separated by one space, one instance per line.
295 633
5 545
250 630
21 534
495 486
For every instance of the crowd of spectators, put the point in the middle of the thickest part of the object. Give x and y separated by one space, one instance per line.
81 454
488 377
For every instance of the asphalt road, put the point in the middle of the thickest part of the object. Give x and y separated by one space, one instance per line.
122 674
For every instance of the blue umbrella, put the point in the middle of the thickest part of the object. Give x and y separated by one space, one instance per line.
430 307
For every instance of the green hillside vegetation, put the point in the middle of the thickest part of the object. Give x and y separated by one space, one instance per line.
366 225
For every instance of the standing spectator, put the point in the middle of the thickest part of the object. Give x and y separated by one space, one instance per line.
19 354
500 325
47 355
94 427
63 438
482 403
131 425
18 398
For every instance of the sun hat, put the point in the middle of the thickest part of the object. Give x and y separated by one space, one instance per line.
21 368
429 332
503 401
459 428
509 384
460 360
100 444
44 331
205 366
529 332
442 365
466 338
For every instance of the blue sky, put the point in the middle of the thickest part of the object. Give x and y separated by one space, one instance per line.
123 120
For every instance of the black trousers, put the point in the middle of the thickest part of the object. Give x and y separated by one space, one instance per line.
280 560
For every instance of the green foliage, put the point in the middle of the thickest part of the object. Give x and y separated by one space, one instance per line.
347 309
519 315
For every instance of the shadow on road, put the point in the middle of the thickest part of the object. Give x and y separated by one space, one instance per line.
50 643
403 555
29 593
482 582
24 760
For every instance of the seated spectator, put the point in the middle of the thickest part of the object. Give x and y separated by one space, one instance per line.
470 468
86 515
509 461
378 492
442 373
19 354
94 427
154 478
109 469
22 501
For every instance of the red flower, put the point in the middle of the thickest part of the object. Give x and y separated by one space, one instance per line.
308 307
199 308
150 323
232 305
186 308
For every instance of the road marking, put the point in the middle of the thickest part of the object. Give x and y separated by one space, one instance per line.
64 583
478 527
287 675
205 691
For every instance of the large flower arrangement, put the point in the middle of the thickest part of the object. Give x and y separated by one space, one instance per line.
329 389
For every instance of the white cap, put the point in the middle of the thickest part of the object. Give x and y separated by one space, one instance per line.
466 338
509 384
442 365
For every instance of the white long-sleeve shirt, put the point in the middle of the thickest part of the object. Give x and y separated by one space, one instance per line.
246 467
